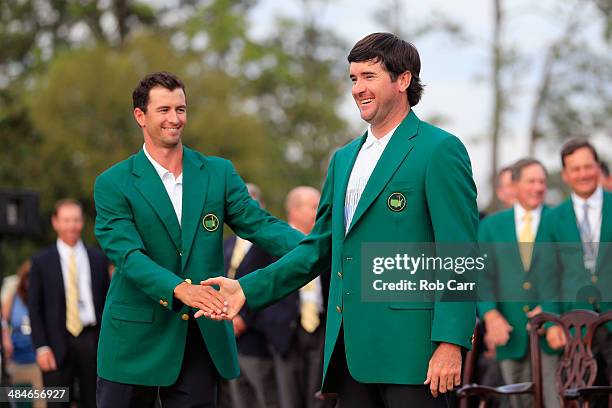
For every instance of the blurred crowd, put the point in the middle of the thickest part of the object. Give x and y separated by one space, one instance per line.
280 347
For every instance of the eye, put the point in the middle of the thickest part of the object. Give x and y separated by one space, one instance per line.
182 110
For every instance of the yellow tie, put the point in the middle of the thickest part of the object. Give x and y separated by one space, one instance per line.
526 239
237 256
73 320
309 312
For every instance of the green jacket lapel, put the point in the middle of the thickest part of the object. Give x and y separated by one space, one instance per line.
569 222
195 188
152 189
399 146
344 164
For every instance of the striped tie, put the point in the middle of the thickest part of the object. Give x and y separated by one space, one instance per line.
73 320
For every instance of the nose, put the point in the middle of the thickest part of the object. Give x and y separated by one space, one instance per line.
174 116
358 87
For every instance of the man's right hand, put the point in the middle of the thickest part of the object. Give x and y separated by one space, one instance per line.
201 297
498 329
555 336
231 291
46 360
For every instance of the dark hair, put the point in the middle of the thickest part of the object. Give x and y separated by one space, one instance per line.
574 144
396 56
604 168
63 202
23 273
499 174
140 96
517 168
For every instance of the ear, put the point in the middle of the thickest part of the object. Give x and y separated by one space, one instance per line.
404 81
139 115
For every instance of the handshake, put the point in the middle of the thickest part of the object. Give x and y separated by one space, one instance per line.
222 304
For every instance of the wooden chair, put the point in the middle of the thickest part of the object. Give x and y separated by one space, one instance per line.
577 368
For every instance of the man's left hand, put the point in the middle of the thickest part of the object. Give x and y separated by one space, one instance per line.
444 372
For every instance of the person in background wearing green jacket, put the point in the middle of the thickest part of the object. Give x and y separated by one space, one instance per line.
575 268
509 237
403 181
160 217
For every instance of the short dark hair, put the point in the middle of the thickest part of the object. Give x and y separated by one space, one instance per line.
574 144
396 56
140 96
604 168
65 202
517 168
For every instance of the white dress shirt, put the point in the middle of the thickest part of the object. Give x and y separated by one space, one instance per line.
174 186
595 203
366 161
519 219
87 312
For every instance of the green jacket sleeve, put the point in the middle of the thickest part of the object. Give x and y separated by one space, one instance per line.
451 198
299 266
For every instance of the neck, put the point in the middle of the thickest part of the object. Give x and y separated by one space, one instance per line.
393 119
171 158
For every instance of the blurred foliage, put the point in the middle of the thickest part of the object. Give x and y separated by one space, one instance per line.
270 106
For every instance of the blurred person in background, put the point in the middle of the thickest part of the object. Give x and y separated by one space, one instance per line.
16 336
504 187
68 286
509 236
606 178
565 272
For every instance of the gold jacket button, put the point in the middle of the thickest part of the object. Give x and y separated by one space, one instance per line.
188 281
165 304
525 308
185 316
527 285
591 300
338 309
161 302
594 279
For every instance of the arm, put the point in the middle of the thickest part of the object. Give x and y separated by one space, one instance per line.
289 273
300 266
44 354
121 241
451 198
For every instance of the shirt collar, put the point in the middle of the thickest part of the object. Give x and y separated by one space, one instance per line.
64 249
520 211
161 170
383 141
594 201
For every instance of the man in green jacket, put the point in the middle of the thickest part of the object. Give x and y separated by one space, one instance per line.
160 217
574 265
403 181
507 285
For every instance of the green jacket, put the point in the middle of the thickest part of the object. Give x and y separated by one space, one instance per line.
506 278
143 333
386 342
560 266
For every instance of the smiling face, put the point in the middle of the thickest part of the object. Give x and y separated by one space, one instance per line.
382 102
581 172
531 186
166 115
